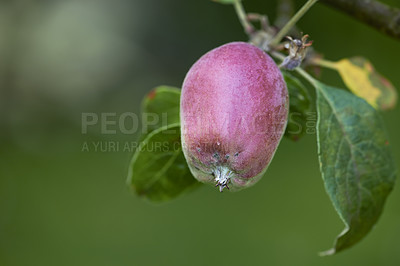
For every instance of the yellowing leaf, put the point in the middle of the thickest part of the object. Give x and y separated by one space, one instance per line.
364 81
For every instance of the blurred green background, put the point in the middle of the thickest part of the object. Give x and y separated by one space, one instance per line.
60 205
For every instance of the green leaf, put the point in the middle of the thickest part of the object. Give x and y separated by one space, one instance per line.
160 107
226 2
299 107
158 170
356 164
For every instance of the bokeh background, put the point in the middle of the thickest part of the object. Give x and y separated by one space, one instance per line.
60 205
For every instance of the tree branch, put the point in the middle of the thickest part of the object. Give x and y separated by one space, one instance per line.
384 18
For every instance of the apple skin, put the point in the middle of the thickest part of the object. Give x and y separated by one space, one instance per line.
233 111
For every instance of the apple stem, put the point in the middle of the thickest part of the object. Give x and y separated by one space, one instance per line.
241 13
277 39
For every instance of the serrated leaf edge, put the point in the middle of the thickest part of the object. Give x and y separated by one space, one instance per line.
346 229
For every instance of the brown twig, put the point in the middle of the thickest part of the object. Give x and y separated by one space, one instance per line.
384 18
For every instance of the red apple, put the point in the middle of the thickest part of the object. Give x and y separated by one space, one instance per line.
234 108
